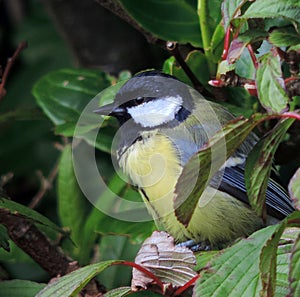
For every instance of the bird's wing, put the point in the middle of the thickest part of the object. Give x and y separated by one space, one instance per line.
278 203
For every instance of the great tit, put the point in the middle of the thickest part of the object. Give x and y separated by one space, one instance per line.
163 123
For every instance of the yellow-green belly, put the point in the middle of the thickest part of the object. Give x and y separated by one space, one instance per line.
153 165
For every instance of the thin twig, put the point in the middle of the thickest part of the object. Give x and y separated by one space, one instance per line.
5 178
252 55
46 185
172 47
22 45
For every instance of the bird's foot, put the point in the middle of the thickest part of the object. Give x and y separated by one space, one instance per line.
196 246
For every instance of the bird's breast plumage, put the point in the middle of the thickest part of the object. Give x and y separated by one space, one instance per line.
153 164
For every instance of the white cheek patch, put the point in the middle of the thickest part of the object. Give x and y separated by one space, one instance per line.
156 112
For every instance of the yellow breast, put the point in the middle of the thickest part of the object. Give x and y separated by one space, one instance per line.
153 164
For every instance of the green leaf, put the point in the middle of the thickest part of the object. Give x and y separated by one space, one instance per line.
224 67
289 9
4 243
29 213
214 10
96 130
284 37
72 205
267 265
259 164
282 269
236 271
245 269
217 42
234 133
248 267
99 220
196 61
269 81
294 187
244 66
245 107
137 232
175 20
295 269
18 288
117 247
204 258
238 110
64 93
230 10
253 35
72 283
107 225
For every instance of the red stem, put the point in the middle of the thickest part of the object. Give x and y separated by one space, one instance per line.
291 115
226 43
144 270
252 55
186 285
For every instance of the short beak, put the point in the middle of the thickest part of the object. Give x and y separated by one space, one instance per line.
105 110
111 110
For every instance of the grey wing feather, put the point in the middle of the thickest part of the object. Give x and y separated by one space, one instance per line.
278 203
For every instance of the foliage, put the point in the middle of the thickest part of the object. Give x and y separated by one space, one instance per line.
241 54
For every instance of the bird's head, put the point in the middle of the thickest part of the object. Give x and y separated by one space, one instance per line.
151 100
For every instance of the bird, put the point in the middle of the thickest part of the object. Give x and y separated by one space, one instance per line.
163 123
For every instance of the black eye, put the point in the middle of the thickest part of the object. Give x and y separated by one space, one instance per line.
138 100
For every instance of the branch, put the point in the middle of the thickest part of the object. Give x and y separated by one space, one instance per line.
49 256
33 242
22 45
46 185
